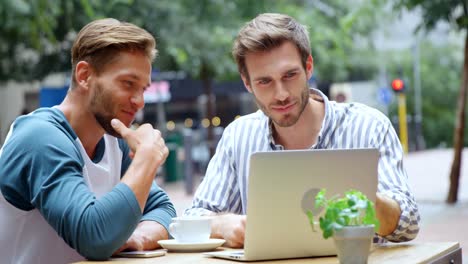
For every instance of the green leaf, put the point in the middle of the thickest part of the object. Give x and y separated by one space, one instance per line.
320 198
352 210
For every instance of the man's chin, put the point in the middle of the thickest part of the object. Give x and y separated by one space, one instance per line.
285 122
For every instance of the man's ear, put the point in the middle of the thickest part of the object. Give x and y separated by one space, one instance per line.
82 74
309 67
246 82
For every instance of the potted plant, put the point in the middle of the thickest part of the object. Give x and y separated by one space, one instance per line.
351 221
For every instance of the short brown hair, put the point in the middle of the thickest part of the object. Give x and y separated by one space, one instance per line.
267 31
99 41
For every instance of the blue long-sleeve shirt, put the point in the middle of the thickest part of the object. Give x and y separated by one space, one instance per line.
42 168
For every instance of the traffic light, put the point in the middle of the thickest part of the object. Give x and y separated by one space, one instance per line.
398 85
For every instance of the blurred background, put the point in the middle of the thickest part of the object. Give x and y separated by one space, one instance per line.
403 57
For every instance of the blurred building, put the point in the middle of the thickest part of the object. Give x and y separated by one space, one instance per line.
188 101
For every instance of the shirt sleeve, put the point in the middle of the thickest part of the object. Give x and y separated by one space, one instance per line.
219 191
40 167
158 207
393 182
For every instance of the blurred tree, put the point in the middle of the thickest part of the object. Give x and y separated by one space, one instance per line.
439 66
197 38
341 37
36 36
24 26
455 12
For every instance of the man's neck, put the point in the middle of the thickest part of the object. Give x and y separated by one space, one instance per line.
83 123
304 133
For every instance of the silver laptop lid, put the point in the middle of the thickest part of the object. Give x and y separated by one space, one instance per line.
282 187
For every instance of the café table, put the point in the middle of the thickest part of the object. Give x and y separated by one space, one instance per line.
398 253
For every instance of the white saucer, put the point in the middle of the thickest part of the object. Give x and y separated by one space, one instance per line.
173 245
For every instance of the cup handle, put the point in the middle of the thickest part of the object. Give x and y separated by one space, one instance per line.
173 229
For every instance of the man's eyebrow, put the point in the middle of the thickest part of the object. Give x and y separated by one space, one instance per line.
261 78
133 76
136 78
295 69
292 70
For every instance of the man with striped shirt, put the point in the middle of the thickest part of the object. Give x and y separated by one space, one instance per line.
274 60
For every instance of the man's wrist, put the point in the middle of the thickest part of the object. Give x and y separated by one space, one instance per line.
150 232
217 224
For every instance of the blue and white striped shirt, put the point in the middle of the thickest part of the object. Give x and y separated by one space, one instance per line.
345 126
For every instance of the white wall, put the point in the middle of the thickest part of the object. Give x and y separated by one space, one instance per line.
12 103
365 92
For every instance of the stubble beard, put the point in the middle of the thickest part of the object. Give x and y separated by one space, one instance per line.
101 107
289 119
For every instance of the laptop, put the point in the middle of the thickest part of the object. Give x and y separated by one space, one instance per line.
281 188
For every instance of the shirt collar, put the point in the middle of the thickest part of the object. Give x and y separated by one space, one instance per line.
271 139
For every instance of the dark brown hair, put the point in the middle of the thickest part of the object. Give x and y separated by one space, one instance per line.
268 31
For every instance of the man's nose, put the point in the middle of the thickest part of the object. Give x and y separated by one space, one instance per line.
138 100
281 92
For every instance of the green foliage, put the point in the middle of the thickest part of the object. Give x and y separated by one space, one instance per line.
340 39
442 121
36 36
352 210
452 11
193 36
200 42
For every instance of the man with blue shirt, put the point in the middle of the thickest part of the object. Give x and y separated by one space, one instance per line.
75 181
273 56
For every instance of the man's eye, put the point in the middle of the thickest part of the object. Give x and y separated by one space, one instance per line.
263 82
290 74
128 83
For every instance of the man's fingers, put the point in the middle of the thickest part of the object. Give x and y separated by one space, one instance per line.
125 246
135 245
165 152
119 127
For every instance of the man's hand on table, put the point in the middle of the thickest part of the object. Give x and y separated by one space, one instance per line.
231 228
145 237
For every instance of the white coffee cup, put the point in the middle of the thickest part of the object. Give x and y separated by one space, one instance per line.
191 229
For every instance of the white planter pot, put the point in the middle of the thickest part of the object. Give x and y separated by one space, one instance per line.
353 243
